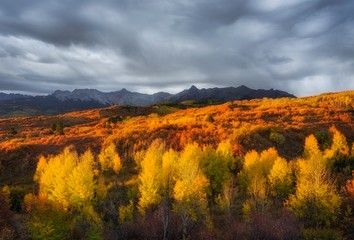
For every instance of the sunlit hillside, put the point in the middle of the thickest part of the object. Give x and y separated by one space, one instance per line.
275 129
248 124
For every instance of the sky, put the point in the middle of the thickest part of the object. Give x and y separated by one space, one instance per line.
304 47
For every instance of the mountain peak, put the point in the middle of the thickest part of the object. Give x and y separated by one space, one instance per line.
193 87
124 90
85 90
60 91
243 87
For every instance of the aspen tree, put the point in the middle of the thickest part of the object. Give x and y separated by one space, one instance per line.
316 200
190 188
150 177
109 158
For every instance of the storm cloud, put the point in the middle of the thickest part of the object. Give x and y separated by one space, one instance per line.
301 46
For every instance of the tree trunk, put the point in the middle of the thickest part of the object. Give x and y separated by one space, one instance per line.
185 226
166 219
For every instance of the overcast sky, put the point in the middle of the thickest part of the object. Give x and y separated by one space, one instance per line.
301 46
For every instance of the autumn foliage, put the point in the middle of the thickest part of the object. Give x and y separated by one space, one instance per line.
258 169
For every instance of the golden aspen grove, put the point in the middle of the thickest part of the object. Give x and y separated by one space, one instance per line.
251 169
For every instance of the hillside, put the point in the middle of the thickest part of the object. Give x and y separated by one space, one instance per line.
210 172
247 123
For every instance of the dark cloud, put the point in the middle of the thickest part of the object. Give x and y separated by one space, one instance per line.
277 59
301 46
11 83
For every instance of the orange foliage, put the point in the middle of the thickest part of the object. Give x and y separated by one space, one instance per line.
246 123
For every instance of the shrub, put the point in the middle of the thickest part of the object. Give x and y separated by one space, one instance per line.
321 234
209 118
13 131
277 138
126 213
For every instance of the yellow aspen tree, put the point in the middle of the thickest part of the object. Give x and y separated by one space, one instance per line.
225 161
338 154
41 165
190 188
150 177
254 179
225 189
53 181
316 200
68 179
250 168
224 150
267 159
210 164
311 147
168 178
157 180
281 179
81 182
257 200
339 142
169 165
109 158
257 165
251 158
216 165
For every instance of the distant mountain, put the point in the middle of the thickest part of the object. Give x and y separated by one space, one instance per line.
83 99
5 96
138 99
43 105
118 97
226 94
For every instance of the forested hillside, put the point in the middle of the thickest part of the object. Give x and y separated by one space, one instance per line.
251 169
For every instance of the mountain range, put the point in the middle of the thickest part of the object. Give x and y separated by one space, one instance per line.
126 97
82 99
